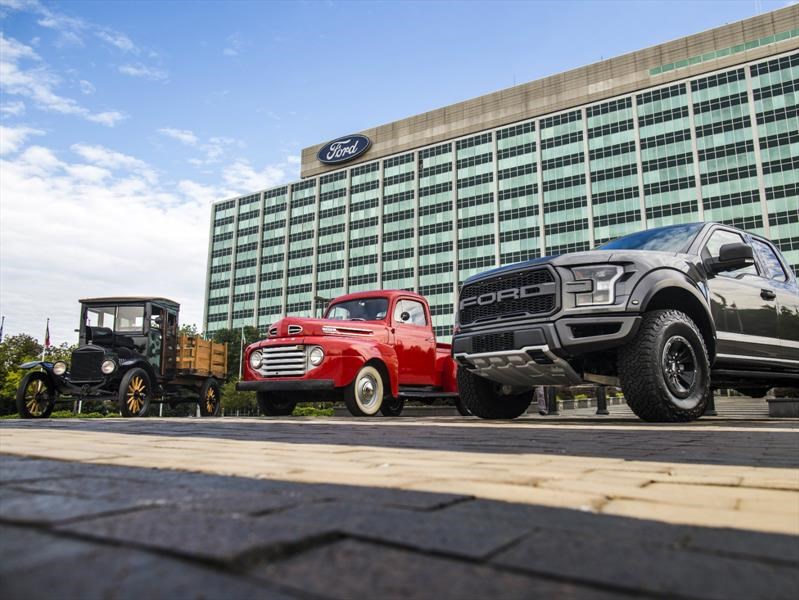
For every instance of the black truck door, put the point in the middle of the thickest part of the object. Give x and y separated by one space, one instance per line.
744 308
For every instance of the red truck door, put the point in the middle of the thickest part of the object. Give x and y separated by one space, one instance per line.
414 343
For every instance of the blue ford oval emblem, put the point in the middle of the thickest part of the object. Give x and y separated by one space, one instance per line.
343 149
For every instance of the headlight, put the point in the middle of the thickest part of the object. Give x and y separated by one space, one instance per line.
603 279
316 356
60 368
108 367
255 359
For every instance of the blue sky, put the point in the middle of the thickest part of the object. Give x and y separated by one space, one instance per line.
122 121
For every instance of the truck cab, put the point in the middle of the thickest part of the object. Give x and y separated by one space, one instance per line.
371 349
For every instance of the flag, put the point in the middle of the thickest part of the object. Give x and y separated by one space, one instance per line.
47 335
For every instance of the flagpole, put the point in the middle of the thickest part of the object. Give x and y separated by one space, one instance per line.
241 350
46 338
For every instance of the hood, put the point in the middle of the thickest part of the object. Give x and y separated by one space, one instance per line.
591 257
301 326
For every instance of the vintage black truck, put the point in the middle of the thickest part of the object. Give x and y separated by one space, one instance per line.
668 314
130 352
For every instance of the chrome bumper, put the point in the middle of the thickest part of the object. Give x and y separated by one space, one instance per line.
527 367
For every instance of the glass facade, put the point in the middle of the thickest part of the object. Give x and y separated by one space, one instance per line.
722 146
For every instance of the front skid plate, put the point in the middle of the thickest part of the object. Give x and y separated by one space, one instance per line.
520 369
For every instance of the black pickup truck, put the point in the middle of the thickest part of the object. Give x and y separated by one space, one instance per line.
668 314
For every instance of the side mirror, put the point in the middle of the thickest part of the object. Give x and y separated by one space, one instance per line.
732 257
405 316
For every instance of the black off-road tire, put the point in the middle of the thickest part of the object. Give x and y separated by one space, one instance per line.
36 396
392 407
484 399
275 404
643 375
135 393
365 395
210 400
461 408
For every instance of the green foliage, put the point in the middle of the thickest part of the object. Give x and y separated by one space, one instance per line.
233 400
68 414
189 330
14 351
311 410
233 339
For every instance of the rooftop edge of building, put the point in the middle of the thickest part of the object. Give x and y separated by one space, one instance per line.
591 83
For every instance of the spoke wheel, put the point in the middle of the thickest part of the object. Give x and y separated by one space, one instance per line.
210 399
135 393
35 396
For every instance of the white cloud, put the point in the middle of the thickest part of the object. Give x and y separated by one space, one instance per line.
145 72
13 109
182 135
38 84
243 177
235 44
87 87
118 40
13 138
111 159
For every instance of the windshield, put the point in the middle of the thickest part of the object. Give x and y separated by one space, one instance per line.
365 309
127 319
675 238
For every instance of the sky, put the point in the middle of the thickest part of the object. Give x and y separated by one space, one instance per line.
121 122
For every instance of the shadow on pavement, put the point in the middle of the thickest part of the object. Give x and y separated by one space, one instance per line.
79 530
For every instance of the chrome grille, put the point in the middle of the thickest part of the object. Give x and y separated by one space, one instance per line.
282 361
85 365
542 303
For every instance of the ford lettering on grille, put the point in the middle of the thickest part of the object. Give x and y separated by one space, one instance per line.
529 293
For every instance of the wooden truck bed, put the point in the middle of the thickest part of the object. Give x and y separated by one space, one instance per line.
197 356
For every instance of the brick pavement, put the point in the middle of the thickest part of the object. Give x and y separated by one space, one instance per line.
443 507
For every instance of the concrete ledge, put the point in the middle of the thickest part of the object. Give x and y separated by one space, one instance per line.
783 407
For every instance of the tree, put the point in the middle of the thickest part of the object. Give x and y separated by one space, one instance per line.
188 330
14 351
233 339
233 400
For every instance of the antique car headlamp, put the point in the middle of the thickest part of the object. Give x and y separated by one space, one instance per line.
108 367
255 359
316 356
60 368
603 280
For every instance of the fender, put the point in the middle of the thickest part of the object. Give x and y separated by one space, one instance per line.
130 363
47 366
660 279
382 352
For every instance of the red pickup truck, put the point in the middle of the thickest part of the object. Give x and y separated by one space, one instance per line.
374 350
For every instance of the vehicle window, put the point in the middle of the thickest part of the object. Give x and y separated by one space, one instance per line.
100 316
415 313
366 309
130 319
719 238
770 261
673 238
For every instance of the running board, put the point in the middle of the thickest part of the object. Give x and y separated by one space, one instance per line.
426 394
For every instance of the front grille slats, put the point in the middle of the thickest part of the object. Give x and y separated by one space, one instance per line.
282 361
85 365
538 304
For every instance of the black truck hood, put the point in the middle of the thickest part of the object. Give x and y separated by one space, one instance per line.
592 257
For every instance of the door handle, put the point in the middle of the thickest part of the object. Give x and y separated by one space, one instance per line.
767 295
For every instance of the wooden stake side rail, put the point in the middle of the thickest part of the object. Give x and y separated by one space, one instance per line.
201 357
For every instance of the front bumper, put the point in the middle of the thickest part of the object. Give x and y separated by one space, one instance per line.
540 354
298 385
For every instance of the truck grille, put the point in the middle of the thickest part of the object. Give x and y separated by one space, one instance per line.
540 303
282 361
492 342
85 365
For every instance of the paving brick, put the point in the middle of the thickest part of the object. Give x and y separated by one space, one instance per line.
352 569
19 506
216 537
646 566
37 565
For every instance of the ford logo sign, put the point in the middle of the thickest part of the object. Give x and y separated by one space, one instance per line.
343 149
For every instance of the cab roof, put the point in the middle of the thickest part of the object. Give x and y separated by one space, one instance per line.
132 300
388 294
